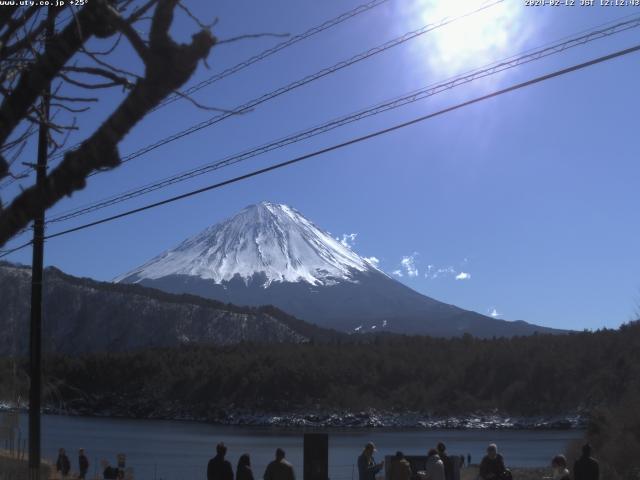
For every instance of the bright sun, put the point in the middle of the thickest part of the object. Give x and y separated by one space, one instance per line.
469 42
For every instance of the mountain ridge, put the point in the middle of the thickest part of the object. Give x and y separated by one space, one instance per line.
85 315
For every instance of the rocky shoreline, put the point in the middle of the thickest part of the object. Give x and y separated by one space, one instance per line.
370 418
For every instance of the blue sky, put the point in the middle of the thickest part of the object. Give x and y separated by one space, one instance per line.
531 195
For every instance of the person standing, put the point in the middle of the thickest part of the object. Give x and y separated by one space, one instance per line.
219 468
279 469
244 472
62 464
435 467
367 466
492 465
400 468
586 467
446 461
83 464
468 459
108 472
559 466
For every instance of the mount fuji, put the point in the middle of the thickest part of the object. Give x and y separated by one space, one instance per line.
271 254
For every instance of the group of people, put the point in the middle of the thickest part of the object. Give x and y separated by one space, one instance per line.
63 465
586 467
441 466
220 469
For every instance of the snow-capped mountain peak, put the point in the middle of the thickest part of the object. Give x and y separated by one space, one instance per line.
267 238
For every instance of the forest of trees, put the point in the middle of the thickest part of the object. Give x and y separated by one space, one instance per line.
597 373
540 374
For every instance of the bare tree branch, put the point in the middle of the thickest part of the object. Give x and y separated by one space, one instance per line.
6 14
197 21
14 24
115 79
106 52
68 108
7 50
138 13
114 69
90 21
130 33
100 150
73 99
88 86
205 107
251 35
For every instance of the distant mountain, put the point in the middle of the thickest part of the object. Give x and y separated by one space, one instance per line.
271 254
82 315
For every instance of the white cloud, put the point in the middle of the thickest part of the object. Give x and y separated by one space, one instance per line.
435 272
348 239
397 273
409 264
493 312
373 261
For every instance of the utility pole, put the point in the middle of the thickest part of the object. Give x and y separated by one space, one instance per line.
35 334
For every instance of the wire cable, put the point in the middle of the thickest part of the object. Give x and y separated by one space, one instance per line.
242 65
299 83
409 98
353 141
244 108
273 50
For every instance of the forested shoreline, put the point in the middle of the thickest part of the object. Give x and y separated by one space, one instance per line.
596 374
535 375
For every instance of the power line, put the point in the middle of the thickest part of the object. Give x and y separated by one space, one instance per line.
271 51
248 106
412 97
4 253
299 83
242 65
353 141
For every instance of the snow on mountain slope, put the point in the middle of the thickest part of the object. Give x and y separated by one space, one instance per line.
267 238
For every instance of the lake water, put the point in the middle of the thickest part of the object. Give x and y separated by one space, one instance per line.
174 450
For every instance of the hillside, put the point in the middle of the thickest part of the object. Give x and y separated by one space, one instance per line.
83 315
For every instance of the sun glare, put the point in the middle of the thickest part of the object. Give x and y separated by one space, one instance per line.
471 41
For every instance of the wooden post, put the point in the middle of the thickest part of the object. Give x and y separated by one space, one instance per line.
35 334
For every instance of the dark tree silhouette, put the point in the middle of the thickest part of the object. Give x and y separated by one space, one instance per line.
29 63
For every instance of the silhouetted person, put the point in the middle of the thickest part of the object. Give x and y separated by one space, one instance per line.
400 468
492 465
219 468
62 464
468 460
559 467
108 472
367 466
446 461
435 467
586 467
83 464
244 472
279 469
